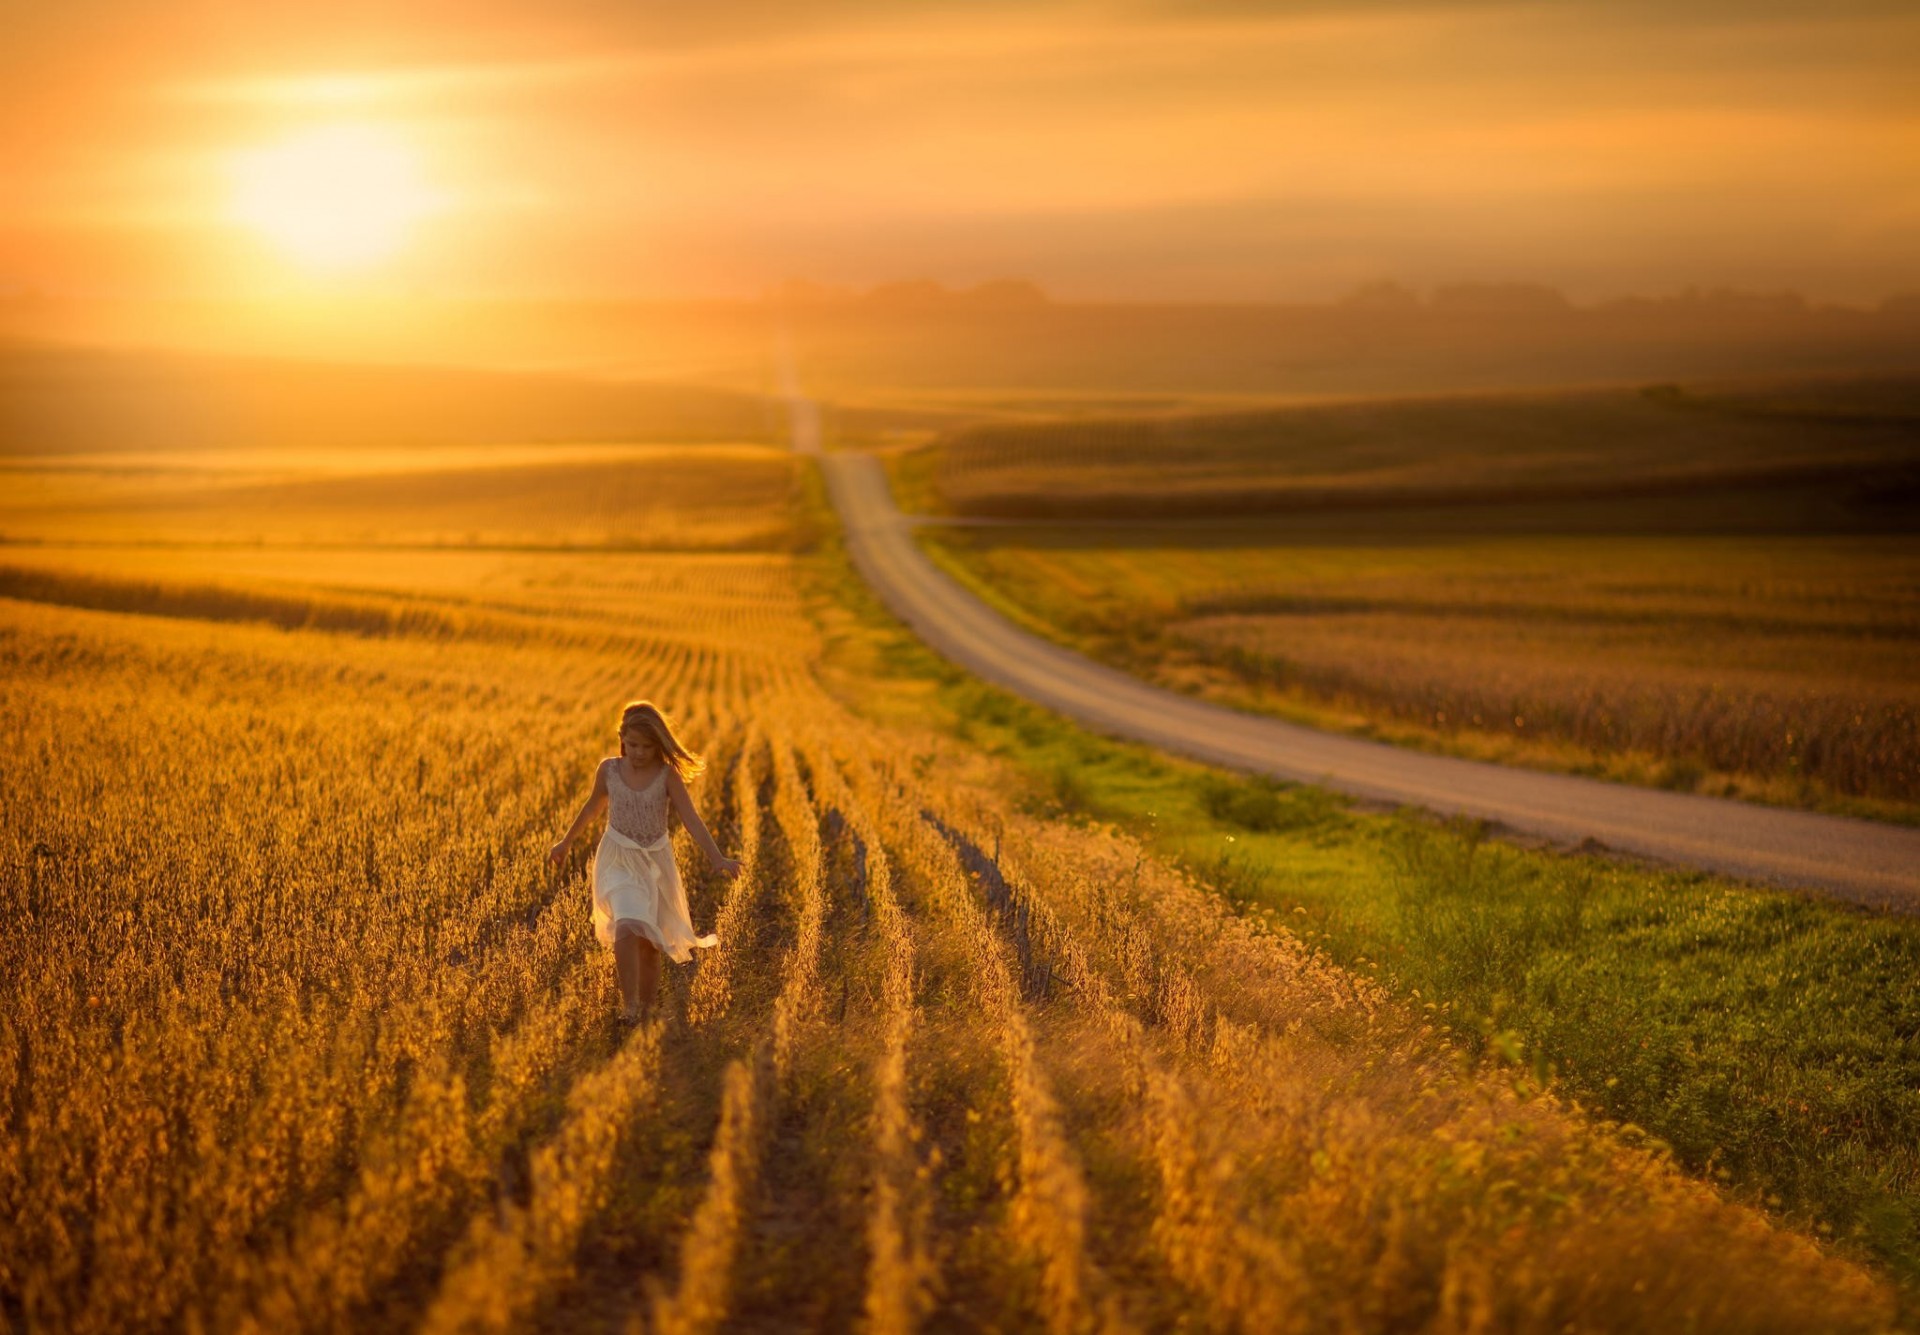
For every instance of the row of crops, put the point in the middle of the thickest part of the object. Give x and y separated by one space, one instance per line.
298 1031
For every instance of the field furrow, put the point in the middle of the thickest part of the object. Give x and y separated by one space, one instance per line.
705 1292
901 1272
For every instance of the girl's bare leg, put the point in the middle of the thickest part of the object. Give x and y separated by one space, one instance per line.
626 968
646 974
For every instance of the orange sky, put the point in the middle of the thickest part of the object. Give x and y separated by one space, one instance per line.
1216 151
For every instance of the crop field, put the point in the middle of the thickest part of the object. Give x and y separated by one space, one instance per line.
299 1031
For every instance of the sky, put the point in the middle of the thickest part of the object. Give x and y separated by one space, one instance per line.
1115 151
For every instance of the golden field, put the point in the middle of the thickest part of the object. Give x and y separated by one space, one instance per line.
298 1032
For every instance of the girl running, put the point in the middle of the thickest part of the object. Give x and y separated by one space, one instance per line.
639 906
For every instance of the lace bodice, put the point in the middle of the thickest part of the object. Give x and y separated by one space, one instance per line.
640 814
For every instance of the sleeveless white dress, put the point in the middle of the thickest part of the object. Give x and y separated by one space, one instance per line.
635 880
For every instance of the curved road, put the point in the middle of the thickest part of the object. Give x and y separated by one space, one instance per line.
1868 863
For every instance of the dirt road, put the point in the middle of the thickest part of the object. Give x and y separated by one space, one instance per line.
1862 861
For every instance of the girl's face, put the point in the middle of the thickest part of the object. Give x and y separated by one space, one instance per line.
640 747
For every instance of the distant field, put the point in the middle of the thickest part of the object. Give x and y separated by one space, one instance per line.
1712 590
136 446
711 497
1862 436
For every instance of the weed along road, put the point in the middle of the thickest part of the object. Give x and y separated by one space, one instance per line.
1863 861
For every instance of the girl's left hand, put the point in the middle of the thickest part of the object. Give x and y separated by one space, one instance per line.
727 867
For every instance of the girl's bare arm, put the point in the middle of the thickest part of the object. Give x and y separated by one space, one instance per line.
683 803
595 804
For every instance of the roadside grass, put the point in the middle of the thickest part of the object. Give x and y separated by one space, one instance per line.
1771 1040
1772 667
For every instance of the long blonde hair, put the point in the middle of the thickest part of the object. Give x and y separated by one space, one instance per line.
648 715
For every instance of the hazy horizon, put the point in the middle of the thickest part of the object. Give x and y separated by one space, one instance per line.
1011 292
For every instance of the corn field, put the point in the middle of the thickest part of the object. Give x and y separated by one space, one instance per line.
299 1031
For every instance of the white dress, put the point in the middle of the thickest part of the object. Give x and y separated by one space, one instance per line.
635 880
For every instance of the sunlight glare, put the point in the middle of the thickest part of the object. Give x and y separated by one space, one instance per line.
332 197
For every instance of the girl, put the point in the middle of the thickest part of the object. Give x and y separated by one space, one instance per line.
639 907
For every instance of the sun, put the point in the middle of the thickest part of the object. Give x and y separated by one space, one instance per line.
333 197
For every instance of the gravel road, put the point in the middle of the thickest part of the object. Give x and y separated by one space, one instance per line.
1861 861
